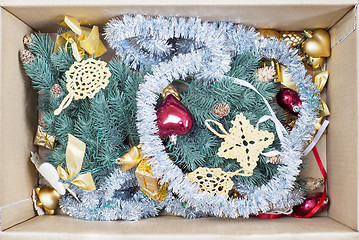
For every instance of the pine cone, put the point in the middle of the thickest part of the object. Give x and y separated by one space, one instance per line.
314 183
42 122
294 38
266 73
275 159
56 90
26 56
221 110
28 41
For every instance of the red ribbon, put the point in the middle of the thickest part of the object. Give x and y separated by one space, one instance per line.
319 204
324 195
269 216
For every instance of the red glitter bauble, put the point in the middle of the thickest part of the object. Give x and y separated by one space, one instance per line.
309 203
289 100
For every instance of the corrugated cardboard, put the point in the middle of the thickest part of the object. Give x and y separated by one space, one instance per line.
17 119
169 227
338 149
261 14
342 138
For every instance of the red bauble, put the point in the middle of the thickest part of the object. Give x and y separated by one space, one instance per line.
173 118
309 203
289 100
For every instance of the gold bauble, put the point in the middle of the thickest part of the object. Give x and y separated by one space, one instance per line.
234 194
293 38
170 90
48 199
318 43
313 62
264 33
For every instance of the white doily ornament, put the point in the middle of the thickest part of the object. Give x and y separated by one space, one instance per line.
213 180
244 143
84 79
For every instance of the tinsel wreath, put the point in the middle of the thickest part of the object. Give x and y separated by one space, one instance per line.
197 61
106 123
199 147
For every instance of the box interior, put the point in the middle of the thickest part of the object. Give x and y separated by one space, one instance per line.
338 149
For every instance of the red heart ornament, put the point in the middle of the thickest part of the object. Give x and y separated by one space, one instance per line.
173 118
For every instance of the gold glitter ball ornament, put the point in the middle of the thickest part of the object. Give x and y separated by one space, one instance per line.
28 41
294 38
170 90
221 110
26 56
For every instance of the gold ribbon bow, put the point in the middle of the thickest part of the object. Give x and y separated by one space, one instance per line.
130 159
146 180
75 152
82 39
321 80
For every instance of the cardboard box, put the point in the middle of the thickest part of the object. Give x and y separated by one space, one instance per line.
339 148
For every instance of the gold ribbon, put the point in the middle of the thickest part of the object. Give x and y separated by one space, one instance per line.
146 180
320 81
75 153
285 78
275 64
130 159
82 39
149 184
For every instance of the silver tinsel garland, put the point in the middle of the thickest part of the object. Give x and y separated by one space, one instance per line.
143 42
118 197
204 50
